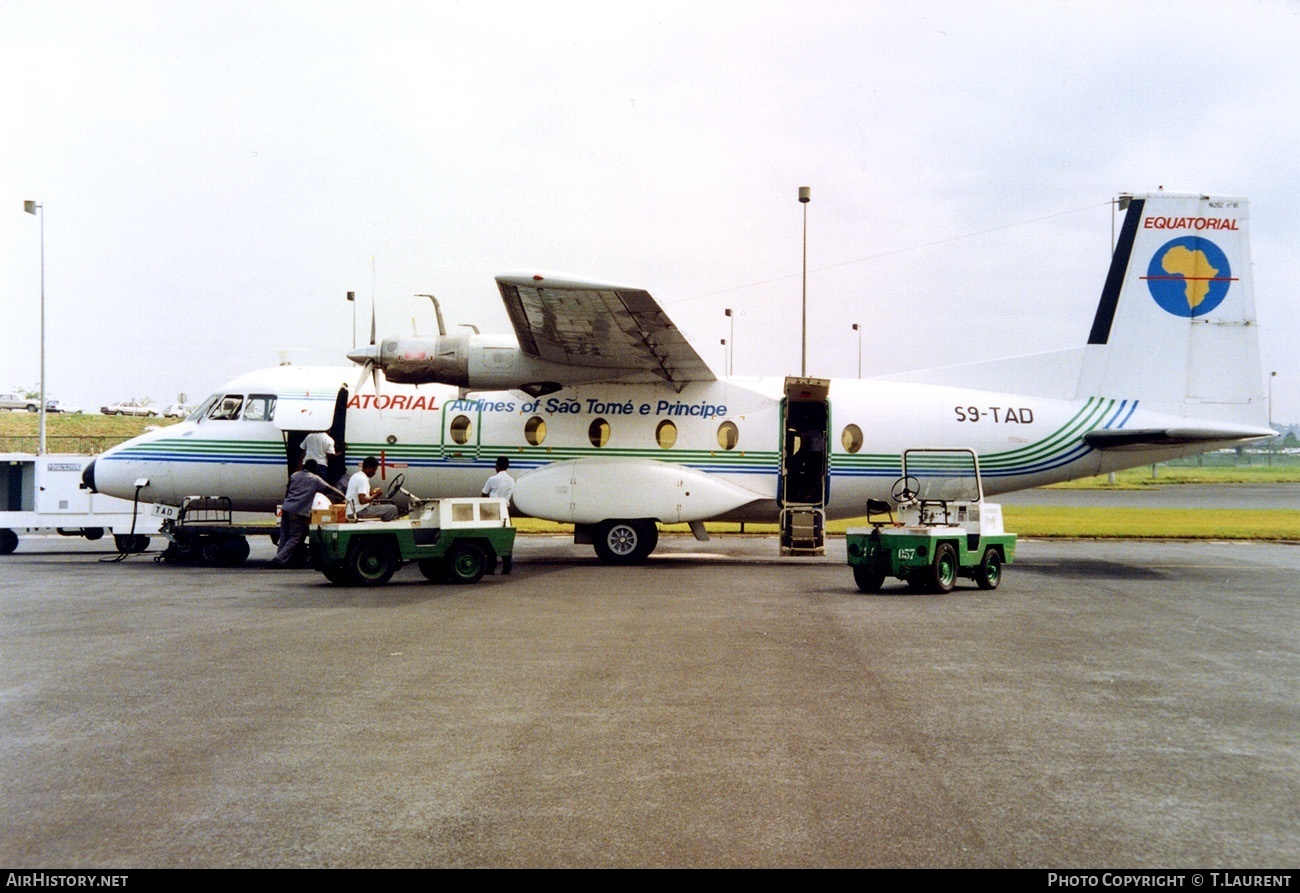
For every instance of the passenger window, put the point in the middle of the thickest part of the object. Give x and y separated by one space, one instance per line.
535 430
227 408
598 433
460 429
728 435
852 438
666 434
261 408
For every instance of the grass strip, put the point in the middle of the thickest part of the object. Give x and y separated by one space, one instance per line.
1050 521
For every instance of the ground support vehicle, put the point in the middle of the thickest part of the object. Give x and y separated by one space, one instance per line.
43 492
453 540
204 531
944 528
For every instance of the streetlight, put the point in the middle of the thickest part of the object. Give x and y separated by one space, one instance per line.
32 208
352 299
805 196
857 328
1271 376
731 351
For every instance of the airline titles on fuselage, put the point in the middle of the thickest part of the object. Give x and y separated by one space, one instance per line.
551 405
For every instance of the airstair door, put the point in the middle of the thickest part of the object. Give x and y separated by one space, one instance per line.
805 466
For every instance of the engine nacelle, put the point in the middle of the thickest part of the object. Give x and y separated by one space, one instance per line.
472 361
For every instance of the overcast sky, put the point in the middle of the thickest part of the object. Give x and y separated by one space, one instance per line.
216 176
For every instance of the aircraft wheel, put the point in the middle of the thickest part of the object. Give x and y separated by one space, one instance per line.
868 580
93 533
467 564
434 569
372 562
127 543
8 541
943 571
626 542
989 573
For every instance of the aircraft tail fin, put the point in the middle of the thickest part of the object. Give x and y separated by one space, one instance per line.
1175 328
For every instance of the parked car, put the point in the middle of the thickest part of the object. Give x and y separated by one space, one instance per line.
60 406
18 401
178 411
129 407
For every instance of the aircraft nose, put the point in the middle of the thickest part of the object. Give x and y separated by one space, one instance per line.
88 476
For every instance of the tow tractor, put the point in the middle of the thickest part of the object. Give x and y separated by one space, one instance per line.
944 529
452 540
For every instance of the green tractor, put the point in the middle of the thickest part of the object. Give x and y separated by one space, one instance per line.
452 540
943 530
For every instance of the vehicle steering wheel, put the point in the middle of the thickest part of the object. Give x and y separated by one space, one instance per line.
395 486
905 489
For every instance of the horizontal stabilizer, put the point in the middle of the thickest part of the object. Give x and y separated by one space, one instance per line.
1154 438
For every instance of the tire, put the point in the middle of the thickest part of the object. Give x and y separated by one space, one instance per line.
235 552
336 574
8 541
434 569
372 562
212 552
93 533
989 573
868 580
626 542
32 407
466 564
127 543
943 570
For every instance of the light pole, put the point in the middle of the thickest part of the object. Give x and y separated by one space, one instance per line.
32 208
857 328
731 343
805 196
352 299
1271 376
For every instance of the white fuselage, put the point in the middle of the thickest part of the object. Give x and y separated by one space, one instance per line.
725 435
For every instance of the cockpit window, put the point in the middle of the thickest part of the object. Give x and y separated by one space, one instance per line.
227 408
199 414
261 408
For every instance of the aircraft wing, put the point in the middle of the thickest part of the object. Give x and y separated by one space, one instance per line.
597 325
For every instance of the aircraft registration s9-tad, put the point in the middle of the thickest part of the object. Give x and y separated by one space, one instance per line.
613 423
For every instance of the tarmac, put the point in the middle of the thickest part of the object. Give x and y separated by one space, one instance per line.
1129 704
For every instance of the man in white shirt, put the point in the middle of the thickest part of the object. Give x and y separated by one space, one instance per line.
501 485
319 446
361 499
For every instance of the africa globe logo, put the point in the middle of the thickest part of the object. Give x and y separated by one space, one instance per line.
1189 276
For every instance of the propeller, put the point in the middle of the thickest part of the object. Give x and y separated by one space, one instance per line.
368 357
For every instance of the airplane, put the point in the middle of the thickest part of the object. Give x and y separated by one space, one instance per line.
613 423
